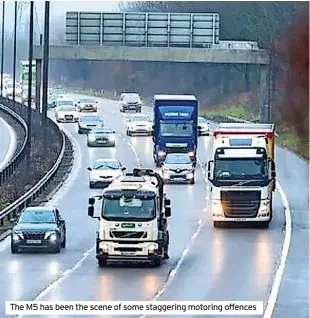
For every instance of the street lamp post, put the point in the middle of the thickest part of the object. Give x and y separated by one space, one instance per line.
2 45
29 119
45 66
14 49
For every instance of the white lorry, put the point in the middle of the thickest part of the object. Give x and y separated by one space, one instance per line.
242 173
133 220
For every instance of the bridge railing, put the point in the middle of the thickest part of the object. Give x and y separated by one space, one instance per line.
10 108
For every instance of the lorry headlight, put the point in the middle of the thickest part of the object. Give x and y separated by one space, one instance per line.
152 248
191 154
265 203
161 153
104 247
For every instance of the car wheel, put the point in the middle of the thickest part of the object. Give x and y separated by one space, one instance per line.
217 224
57 248
14 249
79 132
91 185
102 262
64 242
192 181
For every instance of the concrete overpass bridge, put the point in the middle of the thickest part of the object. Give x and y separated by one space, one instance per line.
154 37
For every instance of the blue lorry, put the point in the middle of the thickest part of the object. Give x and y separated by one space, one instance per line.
175 126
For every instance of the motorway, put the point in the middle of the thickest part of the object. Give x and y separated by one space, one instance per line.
205 263
7 143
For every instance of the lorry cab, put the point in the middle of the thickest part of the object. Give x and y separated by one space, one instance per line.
133 219
242 174
175 126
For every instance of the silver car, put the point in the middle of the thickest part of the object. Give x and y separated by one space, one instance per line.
203 127
88 122
178 167
130 101
101 137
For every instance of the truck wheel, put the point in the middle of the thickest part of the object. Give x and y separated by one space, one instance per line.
217 224
264 224
102 262
157 261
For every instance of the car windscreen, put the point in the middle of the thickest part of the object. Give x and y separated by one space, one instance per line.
140 118
201 120
37 217
101 131
87 101
128 209
175 159
132 97
66 109
65 103
89 118
106 165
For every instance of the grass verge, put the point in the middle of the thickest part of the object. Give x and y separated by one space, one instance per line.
287 137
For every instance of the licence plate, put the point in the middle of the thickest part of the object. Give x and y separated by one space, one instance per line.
128 253
34 241
102 141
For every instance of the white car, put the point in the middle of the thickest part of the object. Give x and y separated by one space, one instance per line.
203 127
9 89
178 166
64 101
130 101
66 114
87 105
139 125
104 171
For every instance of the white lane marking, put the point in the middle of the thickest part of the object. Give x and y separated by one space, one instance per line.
77 165
5 244
285 249
173 273
62 277
12 147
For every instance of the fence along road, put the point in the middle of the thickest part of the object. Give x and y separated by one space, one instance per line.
7 142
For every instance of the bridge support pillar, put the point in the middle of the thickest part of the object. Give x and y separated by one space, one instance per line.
38 84
263 93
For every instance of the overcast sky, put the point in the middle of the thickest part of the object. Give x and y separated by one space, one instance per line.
58 10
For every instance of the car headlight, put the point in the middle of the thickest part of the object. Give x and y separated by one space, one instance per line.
49 234
191 154
190 175
16 236
53 237
91 138
161 153
111 138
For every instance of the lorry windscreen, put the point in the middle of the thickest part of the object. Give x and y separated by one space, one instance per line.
128 209
176 129
237 169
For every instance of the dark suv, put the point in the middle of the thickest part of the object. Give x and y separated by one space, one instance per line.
39 228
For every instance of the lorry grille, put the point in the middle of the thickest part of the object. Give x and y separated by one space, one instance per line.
34 235
240 204
176 150
128 234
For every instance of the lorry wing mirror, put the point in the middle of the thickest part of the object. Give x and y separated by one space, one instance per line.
91 210
91 201
168 211
209 169
167 202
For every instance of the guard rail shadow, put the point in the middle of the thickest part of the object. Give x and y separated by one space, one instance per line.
10 212
11 108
